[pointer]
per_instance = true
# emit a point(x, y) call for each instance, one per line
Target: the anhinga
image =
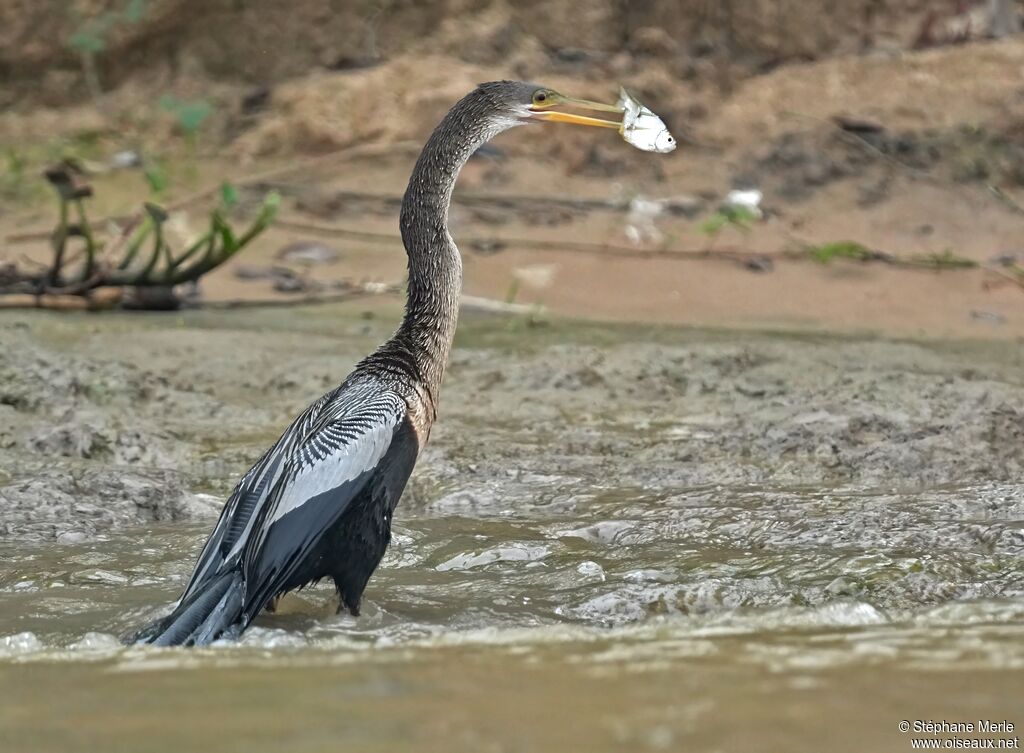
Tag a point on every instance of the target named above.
point(319, 503)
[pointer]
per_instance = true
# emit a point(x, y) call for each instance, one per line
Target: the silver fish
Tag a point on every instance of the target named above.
point(642, 128)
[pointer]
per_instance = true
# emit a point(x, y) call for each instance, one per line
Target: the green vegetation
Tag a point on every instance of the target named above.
point(155, 173)
point(534, 317)
point(513, 291)
point(947, 259)
point(90, 39)
point(189, 116)
point(228, 195)
point(13, 185)
point(161, 266)
point(21, 165)
point(138, 254)
point(828, 252)
point(738, 218)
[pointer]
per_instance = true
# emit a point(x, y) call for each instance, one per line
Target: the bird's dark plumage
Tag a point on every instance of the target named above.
point(319, 503)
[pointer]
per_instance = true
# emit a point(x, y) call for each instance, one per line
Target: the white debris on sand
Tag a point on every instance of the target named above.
point(640, 227)
point(747, 198)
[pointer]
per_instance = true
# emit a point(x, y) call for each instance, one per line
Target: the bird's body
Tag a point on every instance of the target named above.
point(320, 502)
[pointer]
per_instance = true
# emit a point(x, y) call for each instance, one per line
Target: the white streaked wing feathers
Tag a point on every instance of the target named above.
point(335, 455)
point(349, 438)
point(275, 462)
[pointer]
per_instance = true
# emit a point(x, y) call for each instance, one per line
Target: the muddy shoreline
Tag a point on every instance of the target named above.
point(114, 421)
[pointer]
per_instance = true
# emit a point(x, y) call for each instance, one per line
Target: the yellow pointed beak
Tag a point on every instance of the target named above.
point(547, 112)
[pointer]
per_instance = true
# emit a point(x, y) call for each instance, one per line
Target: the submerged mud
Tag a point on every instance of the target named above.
point(678, 540)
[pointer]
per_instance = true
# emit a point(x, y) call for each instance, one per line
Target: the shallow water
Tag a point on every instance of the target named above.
point(562, 576)
point(726, 618)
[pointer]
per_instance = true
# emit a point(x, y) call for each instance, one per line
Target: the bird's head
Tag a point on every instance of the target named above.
point(517, 103)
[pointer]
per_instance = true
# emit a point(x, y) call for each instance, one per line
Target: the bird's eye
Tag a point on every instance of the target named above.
point(540, 97)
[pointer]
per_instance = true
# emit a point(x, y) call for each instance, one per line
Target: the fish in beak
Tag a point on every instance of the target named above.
point(638, 125)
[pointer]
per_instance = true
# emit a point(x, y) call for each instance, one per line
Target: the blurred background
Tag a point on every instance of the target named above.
point(883, 141)
point(732, 439)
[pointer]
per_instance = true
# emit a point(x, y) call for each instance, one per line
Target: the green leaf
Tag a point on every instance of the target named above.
point(156, 177)
point(193, 114)
point(228, 240)
point(87, 41)
point(134, 11)
point(228, 195)
point(190, 115)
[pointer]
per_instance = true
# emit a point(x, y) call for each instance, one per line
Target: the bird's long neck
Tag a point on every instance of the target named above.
point(435, 267)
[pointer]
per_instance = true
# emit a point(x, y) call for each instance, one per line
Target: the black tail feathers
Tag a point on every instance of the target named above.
point(203, 618)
